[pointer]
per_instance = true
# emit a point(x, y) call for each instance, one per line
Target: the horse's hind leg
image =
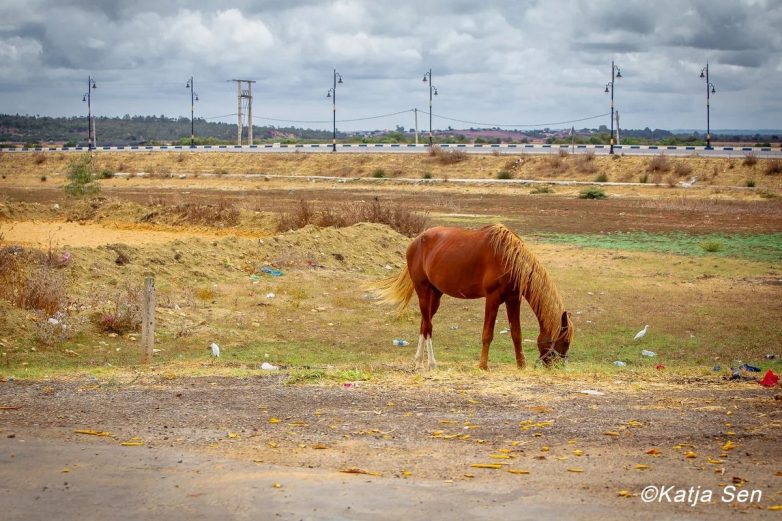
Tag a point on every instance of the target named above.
point(428, 302)
point(513, 307)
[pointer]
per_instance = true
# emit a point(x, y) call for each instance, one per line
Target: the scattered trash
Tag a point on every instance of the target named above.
point(270, 295)
point(619, 363)
point(215, 349)
point(454, 328)
point(771, 356)
point(648, 353)
point(55, 207)
point(769, 379)
point(641, 333)
point(592, 392)
point(271, 271)
point(736, 373)
point(399, 342)
point(255, 278)
point(53, 321)
point(504, 331)
point(659, 367)
point(266, 366)
point(717, 368)
point(65, 258)
point(750, 368)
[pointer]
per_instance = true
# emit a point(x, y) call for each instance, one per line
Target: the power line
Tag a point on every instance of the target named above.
point(338, 121)
point(520, 125)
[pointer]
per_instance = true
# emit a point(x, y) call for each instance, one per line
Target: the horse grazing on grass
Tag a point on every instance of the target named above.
point(492, 263)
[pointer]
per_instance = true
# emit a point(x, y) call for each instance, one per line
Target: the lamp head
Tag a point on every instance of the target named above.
point(702, 75)
point(618, 73)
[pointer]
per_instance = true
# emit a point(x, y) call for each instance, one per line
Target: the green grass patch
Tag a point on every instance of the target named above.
point(764, 247)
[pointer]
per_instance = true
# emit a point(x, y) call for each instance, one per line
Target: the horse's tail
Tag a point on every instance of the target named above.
point(397, 289)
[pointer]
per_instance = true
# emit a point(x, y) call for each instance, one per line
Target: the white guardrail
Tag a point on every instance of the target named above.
point(511, 148)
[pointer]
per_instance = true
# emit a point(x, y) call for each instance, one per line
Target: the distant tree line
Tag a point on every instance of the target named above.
point(155, 130)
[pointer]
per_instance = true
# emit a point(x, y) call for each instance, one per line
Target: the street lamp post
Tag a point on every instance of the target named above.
point(88, 98)
point(193, 98)
point(709, 86)
point(615, 73)
point(332, 93)
point(432, 91)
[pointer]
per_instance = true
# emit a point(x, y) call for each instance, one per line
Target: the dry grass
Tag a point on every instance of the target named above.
point(399, 218)
point(29, 279)
point(750, 160)
point(555, 164)
point(773, 167)
point(659, 164)
point(447, 156)
point(682, 169)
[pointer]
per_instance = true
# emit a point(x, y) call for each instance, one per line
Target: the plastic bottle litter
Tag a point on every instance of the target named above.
point(266, 366)
point(399, 342)
point(215, 349)
point(270, 295)
point(592, 392)
point(619, 363)
point(271, 271)
point(648, 353)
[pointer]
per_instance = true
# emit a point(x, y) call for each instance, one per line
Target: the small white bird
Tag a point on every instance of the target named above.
point(641, 333)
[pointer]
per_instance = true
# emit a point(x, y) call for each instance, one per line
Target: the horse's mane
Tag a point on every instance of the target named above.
point(535, 284)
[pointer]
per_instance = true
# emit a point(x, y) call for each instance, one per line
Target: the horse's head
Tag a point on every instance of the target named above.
point(557, 348)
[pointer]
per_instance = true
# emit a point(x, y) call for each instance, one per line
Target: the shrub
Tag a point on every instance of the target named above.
point(585, 163)
point(671, 180)
point(504, 174)
point(601, 178)
point(206, 294)
point(682, 169)
point(774, 166)
point(542, 189)
point(39, 158)
point(106, 174)
point(556, 164)
point(378, 173)
point(750, 160)
point(659, 163)
point(711, 246)
point(29, 281)
point(224, 213)
point(81, 177)
point(643, 178)
point(44, 178)
point(592, 193)
point(750, 183)
point(427, 175)
point(447, 156)
point(399, 218)
point(125, 316)
point(563, 153)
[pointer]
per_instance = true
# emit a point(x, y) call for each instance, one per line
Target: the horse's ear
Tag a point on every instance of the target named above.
point(565, 318)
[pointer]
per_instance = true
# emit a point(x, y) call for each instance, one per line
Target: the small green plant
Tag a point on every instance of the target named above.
point(81, 177)
point(601, 178)
point(711, 246)
point(106, 174)
point(378, 173)
point(643, 178)
point(592, 193)
point(427, 175)
point(542, 189)
point(504, 174)
point(750, 183)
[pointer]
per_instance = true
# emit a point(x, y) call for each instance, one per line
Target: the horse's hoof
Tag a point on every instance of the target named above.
point(483, 367)
point(522, 365)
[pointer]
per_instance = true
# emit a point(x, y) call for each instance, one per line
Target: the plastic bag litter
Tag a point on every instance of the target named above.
point(266, 366)
point(215, 349)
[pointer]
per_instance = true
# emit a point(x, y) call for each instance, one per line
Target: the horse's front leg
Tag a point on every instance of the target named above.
point(489, 318)
point(513, 307)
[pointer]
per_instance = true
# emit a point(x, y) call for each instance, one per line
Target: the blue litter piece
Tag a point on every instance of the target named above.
point(271, 271)
point(750, 368)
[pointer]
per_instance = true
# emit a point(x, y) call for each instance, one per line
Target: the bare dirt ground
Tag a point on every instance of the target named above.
point(555, 450)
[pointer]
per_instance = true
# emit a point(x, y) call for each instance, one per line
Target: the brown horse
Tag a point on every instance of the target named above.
point(491, 262)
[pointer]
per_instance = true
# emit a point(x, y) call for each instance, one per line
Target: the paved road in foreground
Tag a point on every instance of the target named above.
point(44, 479)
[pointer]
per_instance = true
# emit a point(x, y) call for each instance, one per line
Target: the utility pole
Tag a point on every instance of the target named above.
point(416, 125)
point(193, 98)
point(615, 73)
point(432, 92)
point(244, 97)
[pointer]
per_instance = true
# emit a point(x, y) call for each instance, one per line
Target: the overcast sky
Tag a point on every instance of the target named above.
point(503, 63)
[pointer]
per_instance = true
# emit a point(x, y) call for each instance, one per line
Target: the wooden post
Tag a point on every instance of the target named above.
point(148, 319)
